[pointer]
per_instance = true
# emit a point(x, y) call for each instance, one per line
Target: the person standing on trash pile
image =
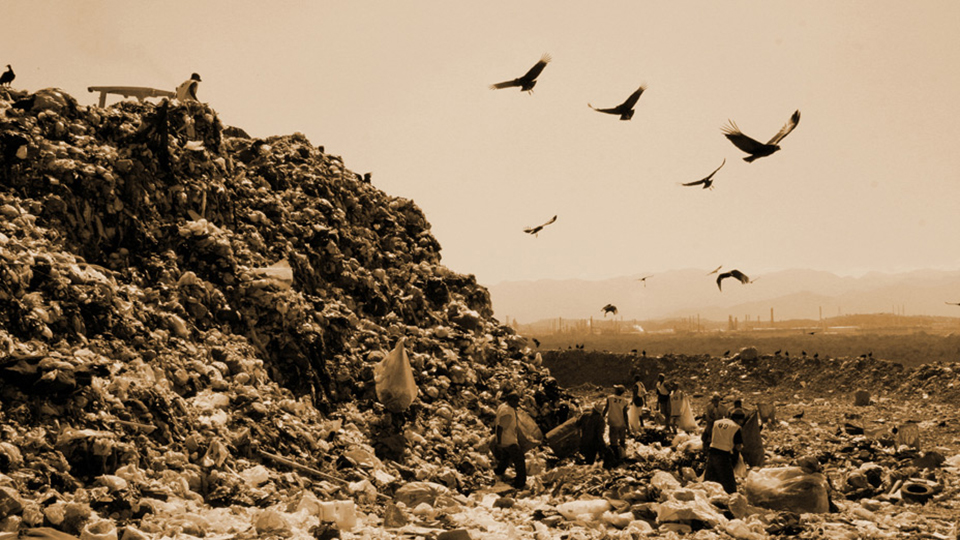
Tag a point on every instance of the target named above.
point(507, 448)
point(676, 406)
point(663, 399)
point(715, 411)
point(638, 400)
point(616, 412)
point(188, 89)
point(591, 433)
point(726, 441)
point(552, 410)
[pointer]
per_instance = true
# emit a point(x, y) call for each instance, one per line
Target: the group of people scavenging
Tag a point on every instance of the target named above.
point(619, 415)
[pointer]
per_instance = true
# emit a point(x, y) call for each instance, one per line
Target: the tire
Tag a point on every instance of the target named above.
point(916, 492)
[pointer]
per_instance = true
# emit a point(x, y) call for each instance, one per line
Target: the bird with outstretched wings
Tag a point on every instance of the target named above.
point(715, 270)
point(625, 109)
point(536, 230)
point(952, 303)
point(736, 274)
point(528, 80)
point(755, 148)
point(644, 279)
point(609, 308)
point(708, 181)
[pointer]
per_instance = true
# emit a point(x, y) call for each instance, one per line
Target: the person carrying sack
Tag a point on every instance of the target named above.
point(507, 449)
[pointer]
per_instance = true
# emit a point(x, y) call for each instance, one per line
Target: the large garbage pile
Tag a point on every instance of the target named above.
point(191, 322)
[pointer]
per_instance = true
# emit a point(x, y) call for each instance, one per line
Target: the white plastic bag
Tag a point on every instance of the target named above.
point(687, 421)
point(396, 388)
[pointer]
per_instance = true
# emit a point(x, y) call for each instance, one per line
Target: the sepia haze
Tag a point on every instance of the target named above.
point(792, 294)
point(868, 181)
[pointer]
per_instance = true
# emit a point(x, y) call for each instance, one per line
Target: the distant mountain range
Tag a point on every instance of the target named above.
point(792, 294)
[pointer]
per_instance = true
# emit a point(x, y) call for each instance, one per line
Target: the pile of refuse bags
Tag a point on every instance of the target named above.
point(208, 335)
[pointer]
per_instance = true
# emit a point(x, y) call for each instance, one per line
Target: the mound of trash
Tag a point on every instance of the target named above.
point(207, 335)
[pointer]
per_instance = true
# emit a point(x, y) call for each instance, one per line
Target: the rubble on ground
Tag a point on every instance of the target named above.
point(190, 324)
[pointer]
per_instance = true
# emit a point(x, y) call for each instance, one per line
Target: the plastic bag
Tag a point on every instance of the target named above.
point(687, 421)
point(396, 388)
point(788, 489)
point(529, 435)
point(740, 469)
point(752, 451)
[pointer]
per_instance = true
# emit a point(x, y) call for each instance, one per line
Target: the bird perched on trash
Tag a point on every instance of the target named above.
point(707, 183)
point(609, 308)
point(536, 230)
point(529, 79)
point(734, 274)
point(799, 415)
point(625, 109)
point(755, 148)
point(776, 352)
point(188, 89)
point(536, 342)
point(7, 77)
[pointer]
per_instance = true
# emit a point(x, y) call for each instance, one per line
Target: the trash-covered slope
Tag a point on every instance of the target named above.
point(174, 300)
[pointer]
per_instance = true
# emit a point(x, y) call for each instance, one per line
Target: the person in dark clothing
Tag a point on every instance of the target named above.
point(725, 446)
point(591, 426)
point(663, 398)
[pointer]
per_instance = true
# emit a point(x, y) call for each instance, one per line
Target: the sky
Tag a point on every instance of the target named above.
point(868, 181)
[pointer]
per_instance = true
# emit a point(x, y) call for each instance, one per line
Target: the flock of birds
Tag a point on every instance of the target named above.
point(752, 147)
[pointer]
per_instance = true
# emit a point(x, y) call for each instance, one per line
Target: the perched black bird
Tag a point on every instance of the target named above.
point(755, 148)
point(536, 342)
point(798, 415)
point(529, 79)
point(609, 308)
point(726, 354)
point(643, 353)
point(816, 356)
point(734, 274)
point(777, 352)
point(538, 228)
point(803, 354)
point(625, 109)
point(707, 183)
point(7, 77)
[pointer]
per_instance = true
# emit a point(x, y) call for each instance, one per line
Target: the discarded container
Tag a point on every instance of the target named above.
point(861, 398)
point(564, 439)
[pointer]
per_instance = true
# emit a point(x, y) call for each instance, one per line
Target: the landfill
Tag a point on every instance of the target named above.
point(197, 335)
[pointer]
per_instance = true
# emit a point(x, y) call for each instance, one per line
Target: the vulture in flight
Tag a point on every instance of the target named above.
point(644, 279)
point(609, 308)
point(734, 274)
point(538, 228)
point(952, 303)
point(7, 77)
point(708, 181)
point(529, 79)
point(625, 109)
point(755, 148)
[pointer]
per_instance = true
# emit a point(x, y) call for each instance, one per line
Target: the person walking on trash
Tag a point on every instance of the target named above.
point(725, 446)
point(676, 406)
point(637, 402)
point(663, 399)
point(188, 89)
point(507, 449)
point(616, 412)
point(715, 411)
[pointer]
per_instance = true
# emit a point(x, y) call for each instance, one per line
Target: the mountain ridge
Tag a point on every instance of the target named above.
point(791, 293)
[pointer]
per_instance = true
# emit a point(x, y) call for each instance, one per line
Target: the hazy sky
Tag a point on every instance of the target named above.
point(870, 180)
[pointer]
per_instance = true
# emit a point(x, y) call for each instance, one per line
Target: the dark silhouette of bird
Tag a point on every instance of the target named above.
point(536, 342)
point(803, 354)
point(535, 230)
point(726, 354)
point(625, 109)
point(777, 352)
point(812, 333)
point(529, 79)
point(952, 303)
point(799, 415)
point(715, 270)
point(643, 353)
point(816, 356)
point(755, 148)
point(708, 181)
point(644, 279)
point(609, 308)
point(786, 353)
point(734, 274)
point(7, 77)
